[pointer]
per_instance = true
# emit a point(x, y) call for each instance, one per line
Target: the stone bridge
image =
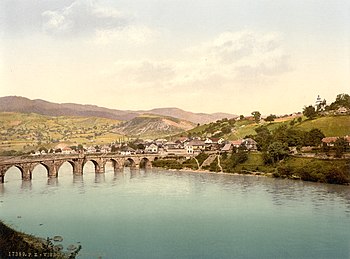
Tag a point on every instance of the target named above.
point(52, 163)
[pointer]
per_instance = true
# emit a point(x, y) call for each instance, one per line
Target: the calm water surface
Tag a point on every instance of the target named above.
point(163, 214)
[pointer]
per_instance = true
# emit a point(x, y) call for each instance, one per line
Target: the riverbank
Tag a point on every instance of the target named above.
point(15, 244)
point(296, 168)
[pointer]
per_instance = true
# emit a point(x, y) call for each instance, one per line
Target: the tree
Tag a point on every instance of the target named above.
point(277, 151)
point(263, 137)
point(43, 149)
point(340, 146)
point(226, 129)
point(257, 116)
point(314, 137)
point(342, 100)
point(114, 149)
point(310, 112)
point(241, 117)
point(270, 118)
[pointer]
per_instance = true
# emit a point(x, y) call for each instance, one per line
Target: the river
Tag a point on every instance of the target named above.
point(157, 213)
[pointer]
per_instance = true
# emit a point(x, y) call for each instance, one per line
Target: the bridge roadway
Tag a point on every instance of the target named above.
point(52, 163)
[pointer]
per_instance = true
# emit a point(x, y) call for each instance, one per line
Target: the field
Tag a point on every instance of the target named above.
point(25, 132)
point(336, 126)
point(331, 126)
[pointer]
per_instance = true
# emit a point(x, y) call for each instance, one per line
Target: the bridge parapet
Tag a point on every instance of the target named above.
point(52, 163)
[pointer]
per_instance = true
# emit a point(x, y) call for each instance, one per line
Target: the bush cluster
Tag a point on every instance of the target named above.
point(316, 171)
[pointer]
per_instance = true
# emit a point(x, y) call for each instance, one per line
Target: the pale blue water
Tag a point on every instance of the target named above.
point(162, 214)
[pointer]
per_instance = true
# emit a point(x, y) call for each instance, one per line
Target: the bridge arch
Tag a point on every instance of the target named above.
point(39, 167)
point(115, 163)
point(145, 163)
point(129, 162)
point(13, 172)
point(64, 166)
point(98, 164)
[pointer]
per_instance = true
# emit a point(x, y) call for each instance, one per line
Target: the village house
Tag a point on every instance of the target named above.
point(67, 150)
point(91, 149)
point(148, 141)
point(250, 144)
point(342, 110)
point(174, 148)
point(152, 149)
point(106, 149)
point(214, 141)
point(237, 143)
point(227, 148)
point(126, 151)
point(161, 141)
point(194, 146)
point(329, 141)
point(181, 140)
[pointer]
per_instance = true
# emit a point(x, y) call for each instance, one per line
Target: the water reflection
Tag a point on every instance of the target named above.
point(154, 208)
point(26, 185)
point(281, 192)
point(100, 178)
point(52, 181)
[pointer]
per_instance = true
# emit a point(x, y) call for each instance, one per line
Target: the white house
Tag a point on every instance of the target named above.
point(250, 144)
point(153, 148)
point(194, 145)
point(91, 149)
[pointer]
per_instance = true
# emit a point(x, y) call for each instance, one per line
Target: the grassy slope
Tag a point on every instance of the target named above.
point(19, 130)
point(336, 126)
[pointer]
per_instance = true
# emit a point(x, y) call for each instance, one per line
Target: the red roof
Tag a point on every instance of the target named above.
point(237, 142)
point(333, 139)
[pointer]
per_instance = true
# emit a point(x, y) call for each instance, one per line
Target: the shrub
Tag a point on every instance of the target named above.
point(167, 163)
point(201, 158)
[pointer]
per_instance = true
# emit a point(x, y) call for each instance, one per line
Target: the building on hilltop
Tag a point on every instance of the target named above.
point(318, 101)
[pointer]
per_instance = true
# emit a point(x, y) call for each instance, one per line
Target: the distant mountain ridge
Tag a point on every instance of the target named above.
point(25, 105)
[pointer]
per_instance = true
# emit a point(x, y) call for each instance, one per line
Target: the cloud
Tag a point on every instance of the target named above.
point(228, 63)
point(244, 57)
point(82, 17)
point(136, 34)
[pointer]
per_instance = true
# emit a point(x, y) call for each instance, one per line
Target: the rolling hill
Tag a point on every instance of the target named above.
point(331, 126)
point(25, 105)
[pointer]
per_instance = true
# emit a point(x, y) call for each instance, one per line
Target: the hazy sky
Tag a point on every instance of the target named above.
point(232, 56)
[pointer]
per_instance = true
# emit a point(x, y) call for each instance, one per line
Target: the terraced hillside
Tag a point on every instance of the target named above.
point(21, 131)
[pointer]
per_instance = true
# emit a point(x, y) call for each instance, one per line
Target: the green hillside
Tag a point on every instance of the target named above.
point(24, 132)
point(336, 126)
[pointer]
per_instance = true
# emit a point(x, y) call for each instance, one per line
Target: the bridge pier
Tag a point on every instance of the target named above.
point(52, 169)
point(99, 169)
point(26, 172)
point(3, 170)
point(78, 166)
